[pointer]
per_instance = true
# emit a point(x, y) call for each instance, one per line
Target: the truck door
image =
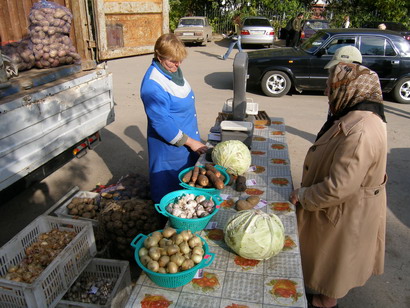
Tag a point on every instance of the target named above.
point(128, 28)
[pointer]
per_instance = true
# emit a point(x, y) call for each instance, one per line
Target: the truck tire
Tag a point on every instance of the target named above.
point(275, 83)
point(401, 92)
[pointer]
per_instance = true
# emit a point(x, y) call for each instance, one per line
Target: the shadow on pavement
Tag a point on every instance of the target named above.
point(220, 80)
point(398, 170)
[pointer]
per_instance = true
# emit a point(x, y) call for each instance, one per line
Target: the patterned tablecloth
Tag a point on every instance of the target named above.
point(232, 281)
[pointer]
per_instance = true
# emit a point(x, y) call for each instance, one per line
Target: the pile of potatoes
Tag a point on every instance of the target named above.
point(49, 29)
point(121, 221)
point(83, 207)
point(169, 252)
point(20, 53)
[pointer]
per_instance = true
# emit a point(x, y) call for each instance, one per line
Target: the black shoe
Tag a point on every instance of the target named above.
point(309, 298)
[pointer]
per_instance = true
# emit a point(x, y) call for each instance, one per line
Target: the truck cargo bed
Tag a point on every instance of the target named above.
point(43, 121)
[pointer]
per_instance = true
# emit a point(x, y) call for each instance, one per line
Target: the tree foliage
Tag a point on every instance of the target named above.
point(359, 11)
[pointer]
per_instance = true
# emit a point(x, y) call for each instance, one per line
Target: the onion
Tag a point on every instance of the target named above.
point(153, 266)
point(196, 258)
point(172, 268)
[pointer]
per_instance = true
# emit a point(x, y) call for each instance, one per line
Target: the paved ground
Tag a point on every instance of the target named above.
point(124, 150)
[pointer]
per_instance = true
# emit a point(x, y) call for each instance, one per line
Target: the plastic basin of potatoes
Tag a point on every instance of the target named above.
point(171, 280)
point(221, 169)
point(193, 224)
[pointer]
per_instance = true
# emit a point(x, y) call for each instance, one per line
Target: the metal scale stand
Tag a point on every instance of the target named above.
point(241, 110)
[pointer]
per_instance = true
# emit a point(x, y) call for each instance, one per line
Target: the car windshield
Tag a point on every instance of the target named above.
point(312, 44)
point(317, 24)
point(191, 22)
point(256, 22)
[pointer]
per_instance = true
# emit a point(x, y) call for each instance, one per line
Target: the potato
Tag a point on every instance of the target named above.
point(242, 205)
point(73, 211)
point(86, 215)
point(240, 184)
point(254, 200)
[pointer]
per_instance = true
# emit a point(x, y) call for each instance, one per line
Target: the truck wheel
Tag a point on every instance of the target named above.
point(275, 83)
point(205, 41)
point(401, 91)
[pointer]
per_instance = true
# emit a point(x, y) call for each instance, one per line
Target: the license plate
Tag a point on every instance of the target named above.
point(187, 33)
point(258, 32)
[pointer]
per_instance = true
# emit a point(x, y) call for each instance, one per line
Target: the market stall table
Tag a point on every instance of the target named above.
point(231, 281)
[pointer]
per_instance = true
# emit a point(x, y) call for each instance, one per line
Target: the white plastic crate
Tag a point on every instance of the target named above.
point(54, 281)
point(62, 211)
point(107, 268)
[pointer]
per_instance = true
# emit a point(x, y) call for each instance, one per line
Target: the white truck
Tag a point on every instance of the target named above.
point(48, 116)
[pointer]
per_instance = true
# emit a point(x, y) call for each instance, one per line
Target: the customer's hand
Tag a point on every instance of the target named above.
point(294, 198)
point(196, 146)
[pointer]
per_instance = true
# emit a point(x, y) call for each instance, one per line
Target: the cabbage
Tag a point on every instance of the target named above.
point(255, 235)
point(233, 155)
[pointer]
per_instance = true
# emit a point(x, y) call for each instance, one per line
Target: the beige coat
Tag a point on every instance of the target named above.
point(342, 222)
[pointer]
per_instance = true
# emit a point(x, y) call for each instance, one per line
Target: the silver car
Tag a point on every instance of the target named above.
point(195, 29)
point(257, 30)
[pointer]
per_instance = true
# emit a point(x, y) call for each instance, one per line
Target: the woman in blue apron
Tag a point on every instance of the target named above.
point(173, 138)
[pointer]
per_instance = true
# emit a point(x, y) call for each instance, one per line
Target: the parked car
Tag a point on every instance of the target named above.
point(195, 29)
point(394, 26)
point(311, 26)
point(257, 30)
point(385, 52)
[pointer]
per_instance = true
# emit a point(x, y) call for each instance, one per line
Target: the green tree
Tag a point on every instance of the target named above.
point(361, 11)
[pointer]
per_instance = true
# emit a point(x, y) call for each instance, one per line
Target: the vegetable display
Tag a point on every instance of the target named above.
point(191, 206)
point(83, 207)
point(204, 177)
point(254, 234)
point(91, 289)
point(171, 252)
point(39, 255)
point(122, 220)
point(233, 155)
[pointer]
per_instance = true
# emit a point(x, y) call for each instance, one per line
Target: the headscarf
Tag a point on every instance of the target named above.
point(352, 87)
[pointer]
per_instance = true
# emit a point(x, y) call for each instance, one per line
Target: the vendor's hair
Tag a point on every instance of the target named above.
point(169, 46)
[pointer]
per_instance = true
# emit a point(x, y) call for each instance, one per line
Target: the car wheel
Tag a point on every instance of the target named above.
point(205, 41)
point(401, 92)
point(275, 83)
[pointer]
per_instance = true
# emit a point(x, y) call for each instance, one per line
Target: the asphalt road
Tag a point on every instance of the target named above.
point(124, 150)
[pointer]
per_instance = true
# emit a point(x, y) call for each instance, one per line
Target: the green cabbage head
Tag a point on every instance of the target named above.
point(255, 235)
point(233, 155)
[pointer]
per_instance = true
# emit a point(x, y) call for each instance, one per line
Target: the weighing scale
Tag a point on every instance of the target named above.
point(239, 123)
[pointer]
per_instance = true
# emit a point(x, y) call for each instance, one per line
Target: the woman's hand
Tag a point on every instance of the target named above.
point(196, 146)
point(294, 198)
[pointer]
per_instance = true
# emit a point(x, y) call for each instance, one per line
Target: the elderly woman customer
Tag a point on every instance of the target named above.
point(341, 204)
point(172, 133)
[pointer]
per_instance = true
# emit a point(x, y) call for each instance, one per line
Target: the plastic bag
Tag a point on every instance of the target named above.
point(49, 26)
point(20, 54)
